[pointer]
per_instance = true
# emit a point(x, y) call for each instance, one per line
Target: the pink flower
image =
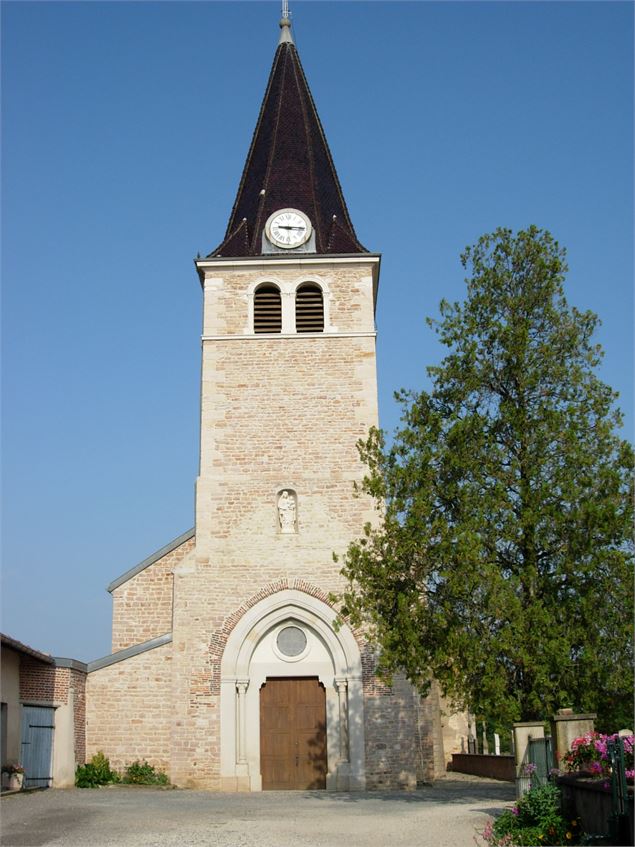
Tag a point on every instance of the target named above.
point(596, 767)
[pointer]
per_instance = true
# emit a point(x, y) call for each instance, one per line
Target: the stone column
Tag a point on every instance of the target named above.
point(241, 721)
point(342, 695)
point(288, 311)
point(565, 726)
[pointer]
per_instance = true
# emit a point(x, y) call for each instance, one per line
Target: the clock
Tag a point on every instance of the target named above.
point(288, 228)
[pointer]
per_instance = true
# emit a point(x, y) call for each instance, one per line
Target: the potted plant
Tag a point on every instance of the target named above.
point(589, 757)
point(14, 776)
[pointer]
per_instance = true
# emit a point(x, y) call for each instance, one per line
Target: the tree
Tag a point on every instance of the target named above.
point(501, 560)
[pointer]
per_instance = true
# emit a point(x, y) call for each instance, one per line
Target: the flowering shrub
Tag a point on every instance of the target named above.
point(590, 753)
point(535, 819)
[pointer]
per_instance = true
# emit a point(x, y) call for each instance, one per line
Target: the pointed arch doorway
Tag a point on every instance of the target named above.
point(291, 691)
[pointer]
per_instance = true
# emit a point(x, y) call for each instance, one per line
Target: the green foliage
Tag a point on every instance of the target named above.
point(535, 819)
point(502, 562)
point(95, 773)
point(141, 773)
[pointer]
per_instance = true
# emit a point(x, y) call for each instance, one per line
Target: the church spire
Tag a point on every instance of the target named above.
point(289, 165)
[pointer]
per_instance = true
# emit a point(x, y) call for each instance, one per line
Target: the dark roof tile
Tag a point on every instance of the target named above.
point(290, 160)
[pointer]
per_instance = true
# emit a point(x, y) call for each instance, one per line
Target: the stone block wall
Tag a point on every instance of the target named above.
point(455, 729)
point(295, 429)
point(142, 606)
point(402, 733)
point(129, 709)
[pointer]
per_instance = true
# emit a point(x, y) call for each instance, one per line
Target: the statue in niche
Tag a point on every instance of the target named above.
point(287, 511)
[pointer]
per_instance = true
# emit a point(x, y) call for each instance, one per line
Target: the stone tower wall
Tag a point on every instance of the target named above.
point(284, 412)
point(277, 413)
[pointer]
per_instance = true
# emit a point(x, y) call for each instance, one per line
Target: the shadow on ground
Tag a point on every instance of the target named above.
point(444, 790)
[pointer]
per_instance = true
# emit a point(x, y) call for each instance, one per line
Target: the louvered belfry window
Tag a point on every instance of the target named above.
point(309, 308)
point(267, 309)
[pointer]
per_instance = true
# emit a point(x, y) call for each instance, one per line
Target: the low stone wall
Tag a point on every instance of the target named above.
point(494, 767)
point(590, 801)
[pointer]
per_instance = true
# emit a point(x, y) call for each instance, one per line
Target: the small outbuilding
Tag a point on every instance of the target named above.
point(43, 711)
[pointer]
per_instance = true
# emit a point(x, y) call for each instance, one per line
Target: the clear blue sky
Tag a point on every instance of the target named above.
point(125, 129)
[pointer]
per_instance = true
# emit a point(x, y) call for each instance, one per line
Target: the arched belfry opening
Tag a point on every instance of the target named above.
point(291, 699)
point(267, 309)
point(309, 308)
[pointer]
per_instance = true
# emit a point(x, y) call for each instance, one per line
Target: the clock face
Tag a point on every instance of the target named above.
point(288, 228)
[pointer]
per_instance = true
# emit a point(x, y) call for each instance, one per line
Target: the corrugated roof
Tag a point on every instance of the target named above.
point(289, 165)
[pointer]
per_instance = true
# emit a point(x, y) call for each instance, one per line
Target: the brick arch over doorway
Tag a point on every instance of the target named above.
point(250, 658)
point(219, 639)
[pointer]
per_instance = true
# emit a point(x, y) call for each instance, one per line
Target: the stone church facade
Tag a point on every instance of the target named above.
point(227, 671)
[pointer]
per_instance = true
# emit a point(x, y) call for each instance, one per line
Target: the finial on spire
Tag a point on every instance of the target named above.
point(285, 24)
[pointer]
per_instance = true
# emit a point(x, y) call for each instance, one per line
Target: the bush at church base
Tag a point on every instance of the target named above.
point(141, 773)
point(95, 773)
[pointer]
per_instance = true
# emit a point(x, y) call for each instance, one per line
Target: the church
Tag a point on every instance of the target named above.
point(227, 671)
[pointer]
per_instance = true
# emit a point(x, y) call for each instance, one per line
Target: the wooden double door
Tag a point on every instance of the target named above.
point(293, 733)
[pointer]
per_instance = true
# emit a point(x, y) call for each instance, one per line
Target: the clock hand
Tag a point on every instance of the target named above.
point(283, 226)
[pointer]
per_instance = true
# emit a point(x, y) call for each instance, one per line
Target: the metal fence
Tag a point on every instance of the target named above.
point(619, 823)
point(540, 754)
point(536, 766)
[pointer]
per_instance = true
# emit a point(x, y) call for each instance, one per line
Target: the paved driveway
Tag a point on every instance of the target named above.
point(447, 814)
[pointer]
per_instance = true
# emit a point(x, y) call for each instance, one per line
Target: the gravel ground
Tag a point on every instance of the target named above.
point(448, 814)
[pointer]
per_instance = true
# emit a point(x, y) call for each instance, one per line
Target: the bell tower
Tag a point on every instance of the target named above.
point(288, 387)
point(227, 670)
point(289, 381)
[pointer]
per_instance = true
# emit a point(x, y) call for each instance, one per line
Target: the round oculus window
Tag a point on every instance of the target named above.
point(291, 641)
